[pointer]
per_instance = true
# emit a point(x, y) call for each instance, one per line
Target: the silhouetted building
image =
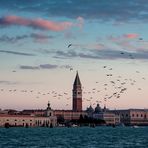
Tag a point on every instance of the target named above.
point(110, 118)
point(90, 111)
point(98, 109)
point(77, 94)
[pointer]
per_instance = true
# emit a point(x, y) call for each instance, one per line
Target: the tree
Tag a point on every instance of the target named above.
point(60, 119)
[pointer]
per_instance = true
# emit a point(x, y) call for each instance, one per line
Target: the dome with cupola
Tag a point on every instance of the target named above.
point(98, 109)
point(90, 109)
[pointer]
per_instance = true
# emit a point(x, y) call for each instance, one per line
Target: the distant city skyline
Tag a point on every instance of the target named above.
point(43, 44)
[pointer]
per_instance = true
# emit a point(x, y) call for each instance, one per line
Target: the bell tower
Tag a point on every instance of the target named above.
point(77, 94)
point(49, 111)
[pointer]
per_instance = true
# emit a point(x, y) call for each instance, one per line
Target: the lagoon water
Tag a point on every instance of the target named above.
point(78, 137)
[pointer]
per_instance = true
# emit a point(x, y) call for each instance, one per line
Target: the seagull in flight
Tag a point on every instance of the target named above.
point(140, 38)
point(71, 69)
point(69, 45)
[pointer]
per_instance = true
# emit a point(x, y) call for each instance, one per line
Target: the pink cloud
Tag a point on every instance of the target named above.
point(123, 37)
point(35, 23)
point(131, 35)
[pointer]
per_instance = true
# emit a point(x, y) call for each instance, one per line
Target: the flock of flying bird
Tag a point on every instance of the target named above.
point(113, 89)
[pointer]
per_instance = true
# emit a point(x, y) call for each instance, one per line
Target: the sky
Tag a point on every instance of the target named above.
point(44, 43)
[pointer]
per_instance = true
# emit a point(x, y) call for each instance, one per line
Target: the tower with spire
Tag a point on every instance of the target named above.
point(49, 111)
point(77, 94)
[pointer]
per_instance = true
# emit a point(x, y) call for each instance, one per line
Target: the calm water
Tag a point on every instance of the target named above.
point(84, 137)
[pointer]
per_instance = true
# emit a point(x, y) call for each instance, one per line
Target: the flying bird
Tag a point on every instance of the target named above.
point(71, 69)
point(140, 38)
point(69, 45)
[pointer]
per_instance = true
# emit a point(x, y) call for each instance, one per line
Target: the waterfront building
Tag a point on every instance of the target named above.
point(48, 119)
point(109, 117)
point(133, 116)
point(69, 114)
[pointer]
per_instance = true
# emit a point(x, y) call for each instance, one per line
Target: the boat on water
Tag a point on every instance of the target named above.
point(135, 126)
point(120, 125)
point(74, 125)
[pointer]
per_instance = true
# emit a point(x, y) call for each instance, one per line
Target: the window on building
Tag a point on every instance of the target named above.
point(126, 115)
point(133, 115)
point(141, 115)
point(137, 115)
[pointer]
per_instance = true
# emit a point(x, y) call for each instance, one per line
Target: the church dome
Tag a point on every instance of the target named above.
point(90, 109)
point(98, 109)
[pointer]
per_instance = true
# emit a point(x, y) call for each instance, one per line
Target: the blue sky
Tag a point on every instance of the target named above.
point(37, 65)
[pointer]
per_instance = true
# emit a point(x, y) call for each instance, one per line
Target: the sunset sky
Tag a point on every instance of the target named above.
point(44, 43)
